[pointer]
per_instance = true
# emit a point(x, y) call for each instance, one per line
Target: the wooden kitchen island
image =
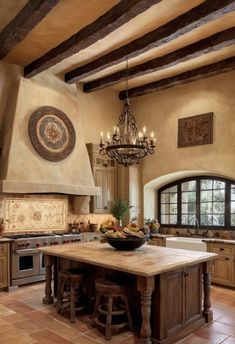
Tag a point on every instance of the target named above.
point(167, 297)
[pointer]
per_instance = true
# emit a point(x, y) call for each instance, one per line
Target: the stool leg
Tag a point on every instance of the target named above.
point(124, 297)
point(60, 297)
point(72, 303)
point(108, 332)
point(97, 301)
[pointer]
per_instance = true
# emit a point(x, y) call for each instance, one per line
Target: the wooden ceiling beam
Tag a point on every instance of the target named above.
point(30, 15)
point(223, 66)
point(209, 10)
point(218, 41)
point(101, 27)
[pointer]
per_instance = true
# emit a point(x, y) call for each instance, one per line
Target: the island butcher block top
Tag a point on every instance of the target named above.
point(144, 261)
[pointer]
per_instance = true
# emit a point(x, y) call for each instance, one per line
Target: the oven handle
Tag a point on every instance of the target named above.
point(27, 251)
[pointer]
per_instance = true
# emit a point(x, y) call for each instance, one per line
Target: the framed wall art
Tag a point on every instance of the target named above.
point(195, 130)
point(51, 133)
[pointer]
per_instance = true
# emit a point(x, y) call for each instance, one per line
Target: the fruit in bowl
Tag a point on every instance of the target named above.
point(127, 238)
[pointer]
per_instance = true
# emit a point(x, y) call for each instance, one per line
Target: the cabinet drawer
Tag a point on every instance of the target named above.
point(3, 249)
point(223, 249)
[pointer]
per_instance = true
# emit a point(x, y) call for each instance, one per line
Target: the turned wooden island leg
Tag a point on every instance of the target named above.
point(207, 312)
point(145, 286)
point(49, 261)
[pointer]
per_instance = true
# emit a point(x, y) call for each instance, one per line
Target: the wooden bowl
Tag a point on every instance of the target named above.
point(126, 244)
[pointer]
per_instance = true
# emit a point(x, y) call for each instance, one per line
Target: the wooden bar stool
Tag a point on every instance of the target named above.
point(111, 310)
point(70, 291)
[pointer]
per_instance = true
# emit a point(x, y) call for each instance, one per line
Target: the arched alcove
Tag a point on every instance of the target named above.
point(150, 188)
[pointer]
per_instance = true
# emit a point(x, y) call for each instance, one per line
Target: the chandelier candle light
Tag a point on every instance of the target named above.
point(127, 145)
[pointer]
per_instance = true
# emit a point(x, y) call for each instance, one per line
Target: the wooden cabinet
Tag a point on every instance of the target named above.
point(224, 267)
point(177, 313)
point(130, 188)
point(105, 176)
point(161, 241)
point(4, 265)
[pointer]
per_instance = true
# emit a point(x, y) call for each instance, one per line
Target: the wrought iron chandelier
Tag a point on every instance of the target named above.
point(128, 145)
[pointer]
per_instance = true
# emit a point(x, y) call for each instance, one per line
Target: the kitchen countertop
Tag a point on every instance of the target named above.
point(219, 241)
point(3, 239)
point(145, 261)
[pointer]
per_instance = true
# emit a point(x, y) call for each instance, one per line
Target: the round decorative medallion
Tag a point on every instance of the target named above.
point(51, 133)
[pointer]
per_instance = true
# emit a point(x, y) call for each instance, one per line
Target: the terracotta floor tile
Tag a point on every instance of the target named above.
point(28, 326)
point(35, 323)
point(213, 336)
point(193, 339)
point(16, 336)
point(83, 339)
point(48, 337)
point(222, 328)
point(17, 306)
point(14, 317)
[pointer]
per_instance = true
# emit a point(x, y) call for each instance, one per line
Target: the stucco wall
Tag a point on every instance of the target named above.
point(23, 163)
point(161, 112)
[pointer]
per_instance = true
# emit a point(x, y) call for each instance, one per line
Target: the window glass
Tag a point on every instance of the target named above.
point(206, 184)
point(206, 196)
point(206, 208)
point(204, 199)
point(218, 184)
point(188, 196)
point(189, 186)
point(219, 195)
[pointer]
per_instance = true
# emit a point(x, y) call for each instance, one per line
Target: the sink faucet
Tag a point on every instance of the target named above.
point(196, 223)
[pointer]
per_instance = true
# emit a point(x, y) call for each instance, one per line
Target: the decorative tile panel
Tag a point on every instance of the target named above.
point(35, 214)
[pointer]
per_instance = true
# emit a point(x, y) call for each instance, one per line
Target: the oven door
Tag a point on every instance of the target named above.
point(25, 263)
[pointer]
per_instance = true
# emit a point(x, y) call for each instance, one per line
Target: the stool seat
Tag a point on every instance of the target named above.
point(70, 291)
point(111, 310)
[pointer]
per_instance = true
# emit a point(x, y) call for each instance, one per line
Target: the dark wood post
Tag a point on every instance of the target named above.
point(207, 312)
point(49, 261)
point(145, 286)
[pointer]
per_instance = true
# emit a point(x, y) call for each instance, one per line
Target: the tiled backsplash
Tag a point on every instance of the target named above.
point(44, 212)
point(211, 233)
point(35, 214)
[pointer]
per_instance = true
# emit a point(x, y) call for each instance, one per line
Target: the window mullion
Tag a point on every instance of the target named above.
point(227, 204)
point(198, 201)
point(179, 204)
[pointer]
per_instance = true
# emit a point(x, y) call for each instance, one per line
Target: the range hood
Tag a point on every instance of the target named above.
point(23, 169)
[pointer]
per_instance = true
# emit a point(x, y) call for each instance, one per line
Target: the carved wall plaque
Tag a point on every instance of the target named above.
point(51, 133)
point(195, 130)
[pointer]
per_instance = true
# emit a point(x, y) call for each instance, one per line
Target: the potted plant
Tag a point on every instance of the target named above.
point(119, 209)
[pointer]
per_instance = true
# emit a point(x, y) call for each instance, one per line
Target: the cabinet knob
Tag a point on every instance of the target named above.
point(221, 249)
point(226, 258)
point(185, 274)
point(105, 207)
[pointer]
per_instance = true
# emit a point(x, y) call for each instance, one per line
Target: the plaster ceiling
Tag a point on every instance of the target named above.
point(68, 17)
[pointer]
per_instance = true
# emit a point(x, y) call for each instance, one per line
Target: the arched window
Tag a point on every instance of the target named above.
point(205, 202)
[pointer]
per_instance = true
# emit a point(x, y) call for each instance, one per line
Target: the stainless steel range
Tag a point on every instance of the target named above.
point(27, 263)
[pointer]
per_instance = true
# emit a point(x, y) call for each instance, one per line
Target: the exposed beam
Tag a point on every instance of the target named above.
point(209, 10)
point(104, 25)
point(183, 78)
point(218, 41)
point(30, 15)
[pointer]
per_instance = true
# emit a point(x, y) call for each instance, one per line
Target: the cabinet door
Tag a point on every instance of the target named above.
point(100, 178)
point(193, 296)
point(172, 284)
point(3, 272)
point(111, 192)
point(224, 269)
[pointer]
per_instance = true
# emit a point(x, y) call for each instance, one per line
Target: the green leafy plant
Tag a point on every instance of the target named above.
point(119, 208)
